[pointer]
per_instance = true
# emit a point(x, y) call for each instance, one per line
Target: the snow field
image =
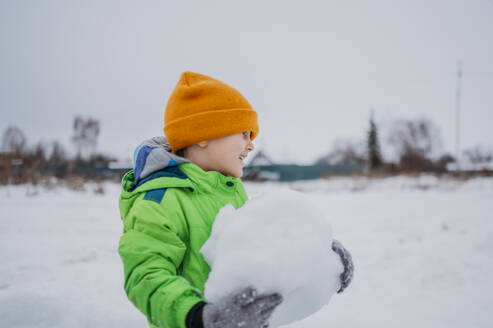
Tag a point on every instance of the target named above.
point(422, 253)
point(62, 267)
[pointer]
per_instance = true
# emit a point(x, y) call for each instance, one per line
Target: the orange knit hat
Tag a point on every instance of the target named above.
point(202, 108)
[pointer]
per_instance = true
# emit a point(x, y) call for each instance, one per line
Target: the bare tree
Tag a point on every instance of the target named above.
point(416, 143)
point(85, 136)
point(344, 151)
point(479, 154)
point(13, 141)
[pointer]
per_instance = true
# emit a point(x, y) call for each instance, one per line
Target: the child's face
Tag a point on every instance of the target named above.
point(226, 154)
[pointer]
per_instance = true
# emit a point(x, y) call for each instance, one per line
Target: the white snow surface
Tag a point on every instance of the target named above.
point(422, 249)
point(279, 241)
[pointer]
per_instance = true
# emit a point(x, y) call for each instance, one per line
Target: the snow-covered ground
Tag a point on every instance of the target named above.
point(422, 249)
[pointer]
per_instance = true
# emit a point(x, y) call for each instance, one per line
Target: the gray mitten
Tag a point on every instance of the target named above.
point(347, 276)
point(243, 308)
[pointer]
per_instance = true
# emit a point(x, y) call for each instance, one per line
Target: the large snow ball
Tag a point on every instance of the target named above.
point(279, 241)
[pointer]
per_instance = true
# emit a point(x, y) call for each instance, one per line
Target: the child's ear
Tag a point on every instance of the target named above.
point(203, 144)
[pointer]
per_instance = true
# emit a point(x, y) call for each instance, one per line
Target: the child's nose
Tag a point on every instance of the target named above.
point(250, 146)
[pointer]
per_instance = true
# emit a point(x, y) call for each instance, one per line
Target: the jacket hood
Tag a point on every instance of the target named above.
point(152, 159)
point(154, 155)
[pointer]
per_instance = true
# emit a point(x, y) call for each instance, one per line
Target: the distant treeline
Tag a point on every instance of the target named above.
point(22, 163)
point(416, 144)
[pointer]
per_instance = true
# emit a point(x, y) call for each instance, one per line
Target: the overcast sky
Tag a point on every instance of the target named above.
point(311, 69)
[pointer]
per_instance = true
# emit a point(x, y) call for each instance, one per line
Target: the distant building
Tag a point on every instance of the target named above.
point(262, 168)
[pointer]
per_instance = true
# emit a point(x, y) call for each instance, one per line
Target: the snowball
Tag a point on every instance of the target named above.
point(279, 241)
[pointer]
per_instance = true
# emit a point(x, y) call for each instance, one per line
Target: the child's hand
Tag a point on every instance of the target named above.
point(347, 276)
point(243, 308)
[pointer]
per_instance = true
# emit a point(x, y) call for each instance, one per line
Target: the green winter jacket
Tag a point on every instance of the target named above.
point(168, 206)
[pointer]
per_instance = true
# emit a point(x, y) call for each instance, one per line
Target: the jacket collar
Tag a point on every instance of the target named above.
point(210, 181)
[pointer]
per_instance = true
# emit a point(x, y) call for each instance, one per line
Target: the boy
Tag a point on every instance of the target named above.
point(169, 202)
